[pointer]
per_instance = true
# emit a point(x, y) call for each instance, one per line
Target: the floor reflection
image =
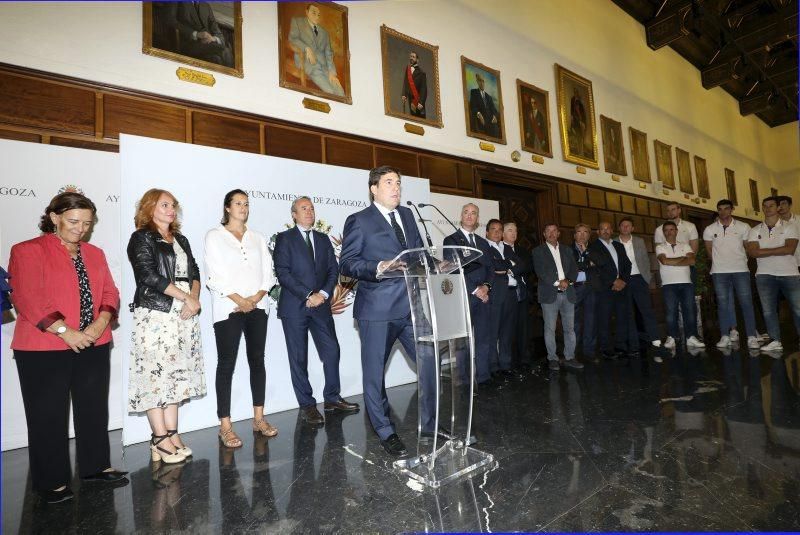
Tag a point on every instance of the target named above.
point(707, 440)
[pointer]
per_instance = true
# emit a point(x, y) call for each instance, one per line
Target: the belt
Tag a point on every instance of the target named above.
point(182, 279)
point(578, 284)
point(512, 287)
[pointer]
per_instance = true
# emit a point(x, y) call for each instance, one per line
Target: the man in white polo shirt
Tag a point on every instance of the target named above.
point(785, 211)
point(773, 243)
point(687, 231)
point(674, 259)
point(724, 240)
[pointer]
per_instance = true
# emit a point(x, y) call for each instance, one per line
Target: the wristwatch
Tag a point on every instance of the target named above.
point(61, 330)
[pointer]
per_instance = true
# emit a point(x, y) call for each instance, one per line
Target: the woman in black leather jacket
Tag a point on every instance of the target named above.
point(166, 365)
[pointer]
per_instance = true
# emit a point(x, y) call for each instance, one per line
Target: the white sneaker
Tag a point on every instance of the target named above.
point(725, 341)
point(692, 341)
point(734, 335)
point(656, 343)
point(775, 345)
point(753, 343)
point(669, 343)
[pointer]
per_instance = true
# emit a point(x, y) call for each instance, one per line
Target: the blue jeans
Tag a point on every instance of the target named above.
point(725, 284)
point(682, 294)
point(768, 288)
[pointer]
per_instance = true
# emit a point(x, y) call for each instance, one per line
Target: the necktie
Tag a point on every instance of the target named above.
point(316, 32)
point(471, 240)
point(308, 244)
point(398, 231)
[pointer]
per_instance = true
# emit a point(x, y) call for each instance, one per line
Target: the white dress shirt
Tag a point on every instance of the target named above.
point(385, 213)
point(310, 231)
point(235, 267)
point(512, 280)
point(631, 255)
point(557, 257)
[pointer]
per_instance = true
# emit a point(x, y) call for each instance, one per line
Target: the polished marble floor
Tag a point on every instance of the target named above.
point(707, 440)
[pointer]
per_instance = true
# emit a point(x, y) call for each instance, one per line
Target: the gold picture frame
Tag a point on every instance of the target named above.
point(578, 131)
point(701, 172)
point(534, 119)
point(640, 157)
point(754, 200)
point(613, 148)
point(664, 171)
point(485, 119)
point(684, 164)
point(730, 185)
point(400, 92)
point(326, 72)
point(167, 32)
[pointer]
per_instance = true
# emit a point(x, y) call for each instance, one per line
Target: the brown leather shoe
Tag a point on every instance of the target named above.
point(341, 405)
point(311, 415)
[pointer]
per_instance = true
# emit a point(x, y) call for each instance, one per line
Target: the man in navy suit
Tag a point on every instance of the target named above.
point(308, 272)
point(479, 277)
point(613, 271)
point(499, 361)
point(372, 238)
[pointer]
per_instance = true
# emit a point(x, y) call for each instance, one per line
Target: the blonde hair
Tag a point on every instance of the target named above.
point(147, 206)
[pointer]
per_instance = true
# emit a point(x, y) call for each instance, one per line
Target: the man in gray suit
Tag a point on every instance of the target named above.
point(638, 287)
point(556, 270)
point(312, 51)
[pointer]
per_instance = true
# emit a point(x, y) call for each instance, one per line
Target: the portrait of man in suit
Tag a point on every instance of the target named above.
point(205, 34)
point(534, 119)
point(483, 101)
point(307, 272)
point(410, 78)
point(313, 49)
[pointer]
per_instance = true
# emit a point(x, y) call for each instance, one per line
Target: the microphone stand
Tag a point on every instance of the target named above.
point(423, 205)
point(427, 234)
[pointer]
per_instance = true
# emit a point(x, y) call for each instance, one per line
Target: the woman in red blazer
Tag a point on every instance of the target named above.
point(65, 300)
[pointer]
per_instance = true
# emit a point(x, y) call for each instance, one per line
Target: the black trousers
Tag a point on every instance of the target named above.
point(228, 333)
point(47, 380)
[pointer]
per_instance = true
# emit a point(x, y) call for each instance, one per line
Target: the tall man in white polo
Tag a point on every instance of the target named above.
point(773, 243)
point(725, 244)
point(687, 231)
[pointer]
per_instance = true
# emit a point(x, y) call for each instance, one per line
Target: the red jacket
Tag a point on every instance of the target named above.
point(45, 290)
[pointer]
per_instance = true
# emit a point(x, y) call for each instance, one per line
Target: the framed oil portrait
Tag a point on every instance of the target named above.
point(640, 159)
point(410, 78)
point(754, 200)
point(664, 164)
point(202, 34)
point(483, 101)
point(730, 184)
point(613, 149)
point(701, 172)
point(576, 118)
point(684, 171)
point(534, 120)
point(314, 49)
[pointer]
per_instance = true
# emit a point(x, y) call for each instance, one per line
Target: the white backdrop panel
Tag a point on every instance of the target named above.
point(199, 177)
point(31, 175)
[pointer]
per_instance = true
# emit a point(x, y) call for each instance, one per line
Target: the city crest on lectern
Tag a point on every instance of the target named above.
point(447, 287)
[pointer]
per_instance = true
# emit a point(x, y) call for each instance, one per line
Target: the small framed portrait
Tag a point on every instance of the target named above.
point(664, 164)
point(754, 200)
point(576, 118)
point(314, 49)
point(730, 184)
point(684, 171)
point(483, 101)
point(203, 34)
point(640, 159)
point(534, 120)
point(701, 172)
point(410, 78)
point(613, 149)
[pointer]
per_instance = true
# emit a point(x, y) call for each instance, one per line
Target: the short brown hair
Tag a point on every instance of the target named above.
point(64, 202)
point(147, 205)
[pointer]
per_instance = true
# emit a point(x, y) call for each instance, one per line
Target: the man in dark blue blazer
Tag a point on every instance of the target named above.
point(613, 272)
point(372, 238)
point(307, 271)
point(479, 277)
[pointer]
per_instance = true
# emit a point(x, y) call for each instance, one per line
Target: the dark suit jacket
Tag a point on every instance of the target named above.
point(298, 276)
point(521, 268)
point(606, 268)
point(369, 239)
point(421, 83)
point(545, 268)
point(487, 109)
point(479, 271)
point(199, 19)
point(587, 266)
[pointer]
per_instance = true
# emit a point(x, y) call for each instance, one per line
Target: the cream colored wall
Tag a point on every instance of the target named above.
point(657, 92)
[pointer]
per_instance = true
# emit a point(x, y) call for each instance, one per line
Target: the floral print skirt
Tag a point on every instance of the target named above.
point(166, 364)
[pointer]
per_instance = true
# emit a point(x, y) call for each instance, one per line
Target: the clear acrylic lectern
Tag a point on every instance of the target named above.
point(442, 330)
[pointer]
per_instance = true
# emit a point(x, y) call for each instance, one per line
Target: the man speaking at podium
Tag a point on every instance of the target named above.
point(372, 238)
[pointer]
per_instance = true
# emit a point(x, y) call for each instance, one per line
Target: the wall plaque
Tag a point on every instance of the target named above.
point(316, 105)
point(195, 77)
